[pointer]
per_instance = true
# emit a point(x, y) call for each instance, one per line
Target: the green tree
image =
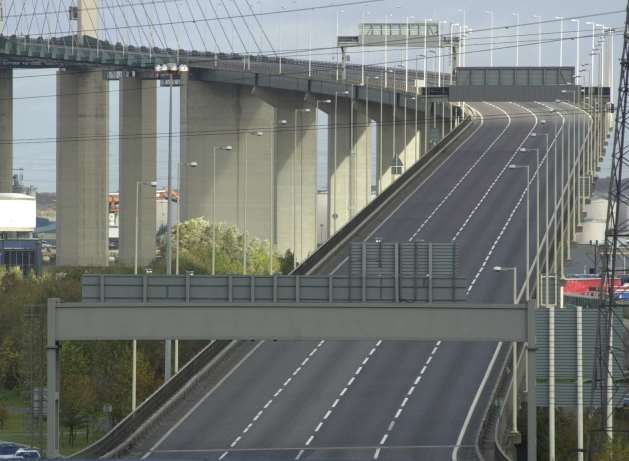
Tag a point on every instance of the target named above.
point(78, 390)
point(196, 238)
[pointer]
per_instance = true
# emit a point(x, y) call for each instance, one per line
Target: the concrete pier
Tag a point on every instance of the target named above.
point(209, 120)
point(349, 154)
point(214, 116)
point(6, 130)
point(295, 173)
point(137, 166)
point(82, 116)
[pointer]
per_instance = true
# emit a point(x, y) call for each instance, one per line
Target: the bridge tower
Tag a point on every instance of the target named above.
point(82, 164)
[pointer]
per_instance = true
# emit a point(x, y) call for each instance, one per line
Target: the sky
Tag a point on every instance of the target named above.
point(34, 91)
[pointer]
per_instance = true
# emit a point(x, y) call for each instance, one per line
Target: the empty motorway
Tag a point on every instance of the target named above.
point(386, 400)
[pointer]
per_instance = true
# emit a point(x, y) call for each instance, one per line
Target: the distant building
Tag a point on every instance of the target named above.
point(161, 216)
point(18, 248)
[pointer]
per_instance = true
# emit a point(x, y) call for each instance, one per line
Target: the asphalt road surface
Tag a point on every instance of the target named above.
point(389, 400)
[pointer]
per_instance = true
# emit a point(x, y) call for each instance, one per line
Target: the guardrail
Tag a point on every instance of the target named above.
point(128, 429)
point(375, 205)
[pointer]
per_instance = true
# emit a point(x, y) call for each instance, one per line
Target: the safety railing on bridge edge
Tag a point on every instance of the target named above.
point(115, 54)
point(145, 414)
point(361, 217)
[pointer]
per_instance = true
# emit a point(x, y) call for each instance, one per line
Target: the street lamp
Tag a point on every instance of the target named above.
point(294, 207)
point(560, 18)
point(171, 70)
point(491, 43)
point(539, 39)
point(244, 233)
point(214, 149)
point(536, 150)
point(578, 23)
point(189, 165)
point(528, 224)
point(514, 357)
point(517, 38)
point(134, 354)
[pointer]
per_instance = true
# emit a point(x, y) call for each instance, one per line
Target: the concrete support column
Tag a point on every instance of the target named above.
point(6, 130)
point(256, 172)
point(137, 156)
point(214, 116)
point(397, 143)
point(295, 174)
point(361, 166)
point(349, 152)
point(82, 164)
point(209, 119)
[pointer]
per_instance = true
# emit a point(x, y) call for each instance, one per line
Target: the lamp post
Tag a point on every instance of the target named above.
point(491, 43)
point(528, 224)
point(294, 209)
point(244, 233)
point(578, 23)
point(171, 70)
point(134, 353)
point(536, 150)
point(539, 39)
point(560, 18)
point(517, 38)
point(189, 165)
point(514, 356)
point(214, 149)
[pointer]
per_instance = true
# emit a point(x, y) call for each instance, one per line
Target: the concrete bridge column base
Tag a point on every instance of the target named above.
point(6, 130)
point(137, 160)
point(82, 215)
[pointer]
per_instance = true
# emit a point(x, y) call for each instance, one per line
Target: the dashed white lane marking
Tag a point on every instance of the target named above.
point(497, 178)
point(511, 215)
point(405, 400)
point(465, 175)
point(334, 404)
point(269, 402)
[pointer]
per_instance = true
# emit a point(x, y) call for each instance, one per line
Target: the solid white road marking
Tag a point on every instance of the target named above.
point(201, 400)
point(459, 440)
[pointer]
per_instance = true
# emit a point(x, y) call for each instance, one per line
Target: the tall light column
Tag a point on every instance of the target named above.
point(517, 38)
point(560, 39)
point(134, 345)
point(214, 149)
point(539, 39)
point(491, 43)
point(578, 39)
point(244, 230)
point(171, 70)
point(528, 225)
point(537, 212)
point(514, 355)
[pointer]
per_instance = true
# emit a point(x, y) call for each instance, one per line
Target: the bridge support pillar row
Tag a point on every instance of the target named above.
point(82, 215)
point(295, 174)
point(6, 130)
point(137, 157)
point(349, 159)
